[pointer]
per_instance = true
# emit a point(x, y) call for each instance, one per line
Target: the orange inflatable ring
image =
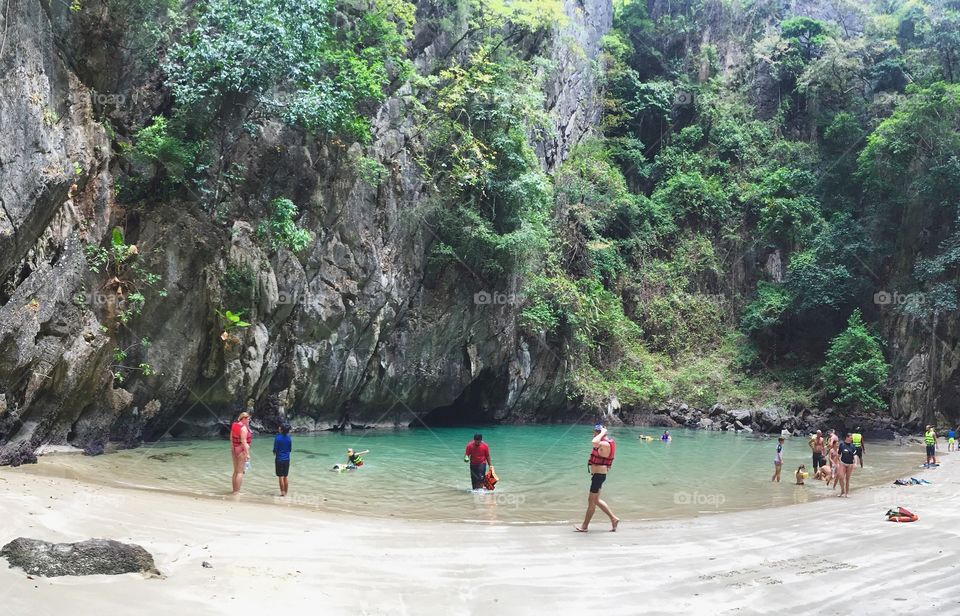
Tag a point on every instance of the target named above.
point(903, 518)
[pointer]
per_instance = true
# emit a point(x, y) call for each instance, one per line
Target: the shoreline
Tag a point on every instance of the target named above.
point(314, 498)
point(833, 555)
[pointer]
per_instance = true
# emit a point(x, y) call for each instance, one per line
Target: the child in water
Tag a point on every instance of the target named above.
point(824, 473)
point(778, 461)
point(801, 473)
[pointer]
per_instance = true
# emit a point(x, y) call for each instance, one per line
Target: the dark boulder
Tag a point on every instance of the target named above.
point(90, 557)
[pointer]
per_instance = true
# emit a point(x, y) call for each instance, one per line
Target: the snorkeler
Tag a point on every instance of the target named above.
point(354, 459)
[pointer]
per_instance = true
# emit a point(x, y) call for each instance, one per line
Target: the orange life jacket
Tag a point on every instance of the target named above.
point(490, 480)
point(598, 460)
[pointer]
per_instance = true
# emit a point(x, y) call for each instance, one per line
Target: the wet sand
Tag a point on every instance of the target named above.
point(829, 556)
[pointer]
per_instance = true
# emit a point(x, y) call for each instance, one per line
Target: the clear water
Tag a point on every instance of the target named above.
point(420, 473)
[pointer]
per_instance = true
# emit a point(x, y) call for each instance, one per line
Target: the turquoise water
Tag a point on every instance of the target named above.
point(420, 473)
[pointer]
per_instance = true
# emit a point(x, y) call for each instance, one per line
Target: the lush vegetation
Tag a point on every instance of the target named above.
point(855, 371)
point(724, 234)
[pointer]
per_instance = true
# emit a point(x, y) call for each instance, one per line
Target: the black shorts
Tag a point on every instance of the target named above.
point(858, 452)
point(931, 451)
point(283, 468)
point(597, 482)
point(818, 461)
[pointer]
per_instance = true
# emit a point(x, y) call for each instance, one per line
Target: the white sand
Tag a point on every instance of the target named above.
point(831, 556)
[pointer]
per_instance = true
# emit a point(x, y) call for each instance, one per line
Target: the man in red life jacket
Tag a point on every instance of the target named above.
point(601, 459)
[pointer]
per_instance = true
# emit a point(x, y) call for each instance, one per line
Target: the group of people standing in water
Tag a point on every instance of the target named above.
point(833, 459)
point(241, 437)
point(476, 453)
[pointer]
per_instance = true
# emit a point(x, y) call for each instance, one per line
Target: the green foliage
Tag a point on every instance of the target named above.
point(232, 320)
point(601, 341)
point(767, 309)
point(804, 34)
point(915, 153)
point(281, 230)
point(677, 311)
point(695, 198)
point(238, 282)
point(295, 60)
point(726, 374)
point(855, 371)
point(370, 170)
point(121, 370)
point(126, 277)
point(172, 160)
point(789, 215)
point(493, 196)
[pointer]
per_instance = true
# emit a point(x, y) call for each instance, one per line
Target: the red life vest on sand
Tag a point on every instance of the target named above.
point(598, 460)
point(235, 434)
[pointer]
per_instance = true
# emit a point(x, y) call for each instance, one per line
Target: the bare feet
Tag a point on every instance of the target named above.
point(579, 530)
point(615, 522)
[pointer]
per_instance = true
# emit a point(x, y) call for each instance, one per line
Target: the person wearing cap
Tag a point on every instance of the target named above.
point(282, 446)
point(599, 463)
point(477, 454)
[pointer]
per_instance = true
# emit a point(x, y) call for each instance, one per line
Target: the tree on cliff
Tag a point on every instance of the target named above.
point(855, 371)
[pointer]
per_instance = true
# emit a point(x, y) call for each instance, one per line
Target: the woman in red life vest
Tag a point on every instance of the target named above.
point(240, 437)
point(599, 463)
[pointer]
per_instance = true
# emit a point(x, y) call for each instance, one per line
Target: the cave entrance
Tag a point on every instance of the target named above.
point(476, 405)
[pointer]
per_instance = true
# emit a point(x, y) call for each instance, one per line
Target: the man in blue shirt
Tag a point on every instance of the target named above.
point(282, 445)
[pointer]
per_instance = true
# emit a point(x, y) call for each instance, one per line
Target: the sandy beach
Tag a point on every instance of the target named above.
point(830, 556)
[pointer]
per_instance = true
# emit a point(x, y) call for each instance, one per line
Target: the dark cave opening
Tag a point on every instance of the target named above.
point(476, 404)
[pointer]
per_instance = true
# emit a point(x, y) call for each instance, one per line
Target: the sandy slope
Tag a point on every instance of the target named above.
point(831, 556)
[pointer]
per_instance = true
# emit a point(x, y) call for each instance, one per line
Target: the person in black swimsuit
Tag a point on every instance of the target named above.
point(848, 452)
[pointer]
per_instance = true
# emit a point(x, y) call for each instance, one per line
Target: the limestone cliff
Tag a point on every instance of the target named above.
point(351, 331)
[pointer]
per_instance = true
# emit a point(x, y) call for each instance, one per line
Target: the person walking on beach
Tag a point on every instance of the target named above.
point(778, 461)
point(951, 439)
point(240, 438)
point(930, 439)
point(816, 446)
point(282, 446)
point(477, 454)
point(847, 451)
point(857, 440)
point(599, 463)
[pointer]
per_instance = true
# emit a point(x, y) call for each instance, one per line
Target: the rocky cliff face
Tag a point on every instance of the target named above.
point(352, 331)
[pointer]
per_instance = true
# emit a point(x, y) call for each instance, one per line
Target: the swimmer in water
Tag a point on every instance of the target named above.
point(801, 474)
point(354, 459)
point(666, 436)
